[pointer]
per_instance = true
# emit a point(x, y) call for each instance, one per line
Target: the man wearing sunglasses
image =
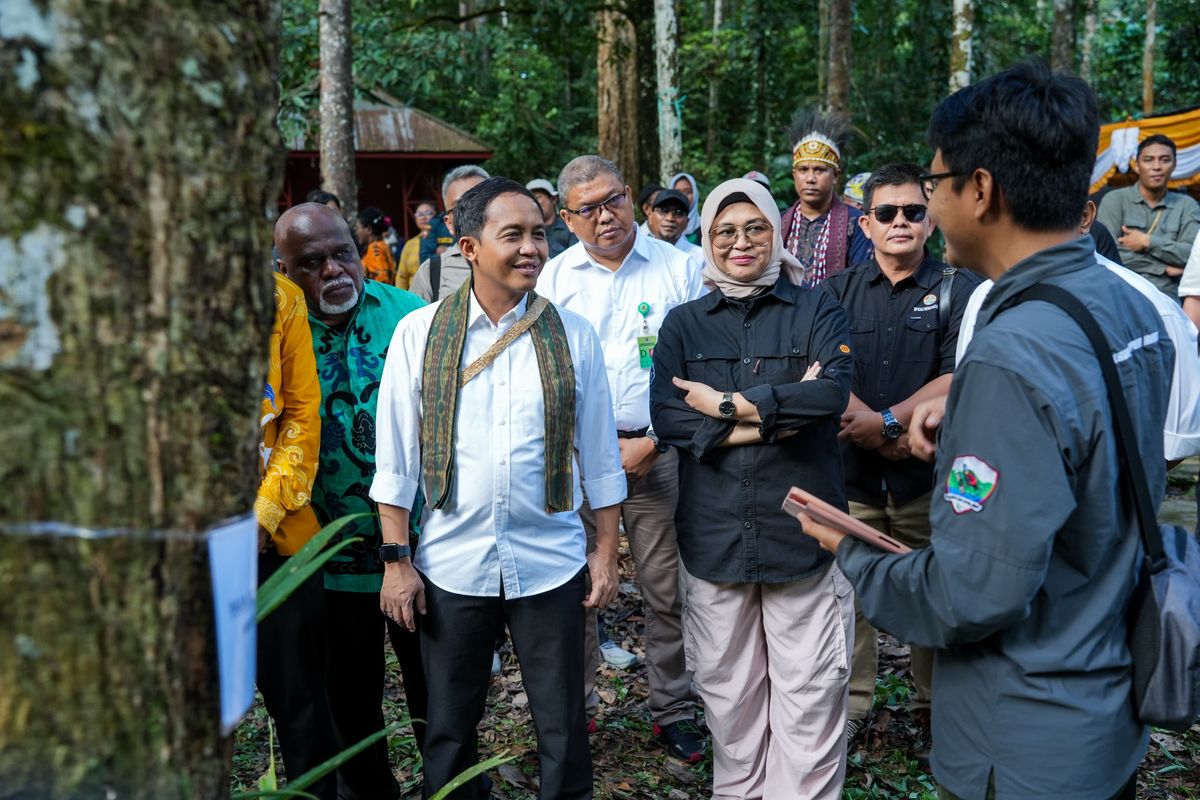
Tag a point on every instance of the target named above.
point(667, 219)
point(624, 283)
point(904, 334)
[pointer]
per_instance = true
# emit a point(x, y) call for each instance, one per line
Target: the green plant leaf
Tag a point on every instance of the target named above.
point(308, 552)
point(467, 774)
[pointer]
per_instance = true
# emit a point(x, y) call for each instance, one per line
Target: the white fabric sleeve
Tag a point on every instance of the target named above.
point(398, 416)
point(970, 315)
point(1189, 284)
point(595, 427)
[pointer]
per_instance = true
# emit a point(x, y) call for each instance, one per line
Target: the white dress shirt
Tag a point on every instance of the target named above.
point(1181, 432)
point(494, 530)
point(1189, 284)
point(655, 273)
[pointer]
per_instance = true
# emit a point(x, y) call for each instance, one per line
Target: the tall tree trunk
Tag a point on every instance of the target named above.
point(962, 39)
point(337, 105)
point(134, 317)
point(823, 53)
point(1062, 43)
point(670, 134)
point(714, 94)
point(761, 109)
point(616, 91)
point(841, 18)
point(1148, 58)
point(1089, 38)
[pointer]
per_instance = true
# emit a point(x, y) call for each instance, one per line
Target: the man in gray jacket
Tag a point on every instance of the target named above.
point(442, 274)
point(1035, 550)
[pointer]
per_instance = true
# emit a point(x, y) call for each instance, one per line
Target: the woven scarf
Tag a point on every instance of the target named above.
point(832, 245)
point(442, 379)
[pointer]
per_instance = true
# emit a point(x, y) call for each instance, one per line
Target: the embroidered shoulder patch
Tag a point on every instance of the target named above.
point(844, 348)
point(970, 483)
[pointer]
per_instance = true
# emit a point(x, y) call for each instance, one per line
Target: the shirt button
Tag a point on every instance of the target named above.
point(891, 329)
point(885, 363)
point(502, 422)
point(745, 361)
point(699, 355)
point(501, 383)
point(746, 482)
point(745, 324)
point(795, 350)
point(747, 525)
point(881, 395)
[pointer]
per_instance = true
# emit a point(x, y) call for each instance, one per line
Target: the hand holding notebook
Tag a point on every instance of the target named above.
point(801, 504)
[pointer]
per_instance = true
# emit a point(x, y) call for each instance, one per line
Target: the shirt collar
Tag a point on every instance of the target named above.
point(1077, 254)
point(476, 313)
point(1169, 199)
point(782, 290)
point(581, 258)
point(927, 274)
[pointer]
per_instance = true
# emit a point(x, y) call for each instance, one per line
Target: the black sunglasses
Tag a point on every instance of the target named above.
point(885, 213)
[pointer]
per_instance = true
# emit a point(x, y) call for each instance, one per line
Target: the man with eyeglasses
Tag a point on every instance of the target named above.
point(667, 219)
point(441, 274)
point(905, 308)
point(624, 283)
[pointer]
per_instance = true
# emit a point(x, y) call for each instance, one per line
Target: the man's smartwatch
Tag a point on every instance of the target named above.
point(391, 553)
point(892, 429)
point(727, 409)
point(661, 447)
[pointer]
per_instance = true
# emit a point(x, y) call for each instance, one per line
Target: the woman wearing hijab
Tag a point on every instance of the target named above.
point(749, 381)
point(683, 182)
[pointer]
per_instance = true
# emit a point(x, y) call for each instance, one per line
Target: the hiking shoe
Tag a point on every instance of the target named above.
point(616, 656)
point(855, 730)
point(683, 740)
point(495, 662)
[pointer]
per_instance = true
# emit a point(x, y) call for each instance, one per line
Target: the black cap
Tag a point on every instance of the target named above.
point(647, 192)
point(667, 196)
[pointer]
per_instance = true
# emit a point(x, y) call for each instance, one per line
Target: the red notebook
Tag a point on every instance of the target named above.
point(798, 501)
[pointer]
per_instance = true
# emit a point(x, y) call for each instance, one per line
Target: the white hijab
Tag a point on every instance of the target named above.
point(781, 260)
point(693, 220)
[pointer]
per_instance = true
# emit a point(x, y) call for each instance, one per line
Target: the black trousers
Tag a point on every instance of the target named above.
point(292, 677)
point(357, 665)
point(457, 637)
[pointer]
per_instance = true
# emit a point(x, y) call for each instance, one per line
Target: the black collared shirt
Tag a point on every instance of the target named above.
point(899, 346)
point(729, 521)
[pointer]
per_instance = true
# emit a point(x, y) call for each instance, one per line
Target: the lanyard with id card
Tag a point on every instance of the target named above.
point(646, 341)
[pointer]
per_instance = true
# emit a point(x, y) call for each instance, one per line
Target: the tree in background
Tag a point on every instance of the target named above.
point(617, 90)
point(139, 159)
point(670, 144)
point(337, 105)
point(962, 37)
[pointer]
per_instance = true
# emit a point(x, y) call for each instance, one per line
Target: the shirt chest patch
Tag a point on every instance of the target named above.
point(971, 482)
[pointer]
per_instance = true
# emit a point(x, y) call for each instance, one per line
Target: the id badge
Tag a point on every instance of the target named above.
point(646, 350)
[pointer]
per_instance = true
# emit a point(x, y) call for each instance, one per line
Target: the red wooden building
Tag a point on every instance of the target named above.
point(401, 155)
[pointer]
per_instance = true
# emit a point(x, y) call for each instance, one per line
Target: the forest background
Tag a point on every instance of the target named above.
point(528, 76)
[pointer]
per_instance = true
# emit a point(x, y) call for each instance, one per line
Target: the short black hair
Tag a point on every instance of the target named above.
point(1157, 138)
point(470, 212)
point(901, 173)
point(374, 220)
point(321, 196)
point(1034, 130)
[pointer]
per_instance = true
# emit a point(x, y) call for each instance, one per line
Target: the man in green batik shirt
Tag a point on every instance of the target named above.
point(352, 320)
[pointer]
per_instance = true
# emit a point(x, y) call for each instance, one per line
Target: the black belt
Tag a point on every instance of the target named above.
point(640, 433)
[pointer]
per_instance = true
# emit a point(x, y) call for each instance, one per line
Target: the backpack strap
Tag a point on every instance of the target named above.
point(435, 275)
point(944, 301)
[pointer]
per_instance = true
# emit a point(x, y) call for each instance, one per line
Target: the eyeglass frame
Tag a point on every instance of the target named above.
point(597, 207)
point(899, 209)
point(671, 211)
point(739, 233)
point(932, 179)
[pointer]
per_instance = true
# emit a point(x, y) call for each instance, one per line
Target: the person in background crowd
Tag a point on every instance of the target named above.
point(410, 256)
point(686, 185)
point(905, 311)
point(820, 230)
point(641, 279)
point(1154, 227)
point(758, 177)
point(444, 272)
point(558, 235)
point(1034, 554)
point(1189, 288)
point(747, 385)
point(291, 639)
point(352, 320)
point(502, 459)
point(324, 198)
point(377, 259)
point(646, 203)
point(668, 217)
point(852, 195)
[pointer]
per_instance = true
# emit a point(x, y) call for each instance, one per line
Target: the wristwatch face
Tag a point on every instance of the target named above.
point(892, 430)
point(727, 408)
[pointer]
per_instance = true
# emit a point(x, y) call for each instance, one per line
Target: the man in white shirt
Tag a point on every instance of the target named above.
point(1181, 435)
point(496, 406)
point(624, 283)
point(666, 221)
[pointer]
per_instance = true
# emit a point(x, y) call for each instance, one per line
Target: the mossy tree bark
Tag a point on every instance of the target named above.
point(138, 161)
point(617, 91)
point(337, 104)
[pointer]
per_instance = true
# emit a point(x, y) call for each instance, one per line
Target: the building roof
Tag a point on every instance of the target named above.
point(383, 124)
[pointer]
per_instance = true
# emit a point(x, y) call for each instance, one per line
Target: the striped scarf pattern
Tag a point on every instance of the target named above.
point(441, 385)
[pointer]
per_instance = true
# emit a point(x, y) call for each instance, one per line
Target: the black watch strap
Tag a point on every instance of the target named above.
point(389, 553)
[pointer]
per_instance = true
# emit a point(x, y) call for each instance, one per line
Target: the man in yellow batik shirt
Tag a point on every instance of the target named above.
point(291, 640)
